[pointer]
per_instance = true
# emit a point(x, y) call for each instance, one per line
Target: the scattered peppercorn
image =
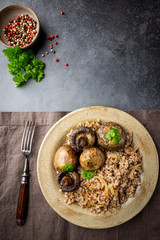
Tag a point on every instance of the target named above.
point(62, 12)
point(51, 46)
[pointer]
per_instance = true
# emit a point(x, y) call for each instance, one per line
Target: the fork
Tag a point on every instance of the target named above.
point(26, 147)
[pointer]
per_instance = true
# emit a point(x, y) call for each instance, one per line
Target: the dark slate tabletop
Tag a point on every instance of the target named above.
point(113, 51)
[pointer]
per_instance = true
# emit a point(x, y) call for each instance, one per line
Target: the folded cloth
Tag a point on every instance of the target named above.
point(43, 223)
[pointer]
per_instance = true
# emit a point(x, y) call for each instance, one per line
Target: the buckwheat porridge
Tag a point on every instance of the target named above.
point(98, 167)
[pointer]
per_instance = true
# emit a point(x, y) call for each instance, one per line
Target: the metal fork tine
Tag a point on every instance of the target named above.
point(29, 135)
point(26, 136)
point(30, 147)
point(22, 143)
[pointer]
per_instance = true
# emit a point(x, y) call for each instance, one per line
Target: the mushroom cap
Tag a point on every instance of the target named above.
point(68, 181)
point(65, 155)
point(104, 142)
point(81, 138)
point(92, 159)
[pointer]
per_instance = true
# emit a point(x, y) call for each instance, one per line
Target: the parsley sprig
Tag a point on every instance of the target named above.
point(24, 65)
point(67, 168)
point(114, 135)
point(88, 174)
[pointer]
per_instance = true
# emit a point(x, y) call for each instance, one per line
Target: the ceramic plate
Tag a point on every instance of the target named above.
point(48, 179)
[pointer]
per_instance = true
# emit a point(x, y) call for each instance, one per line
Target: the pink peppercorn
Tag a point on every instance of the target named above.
point(55, 43)
point(66, 64)
point(52, 36)
point(48, 37)
point(56, 35)
point(56, 60)
point(62, 12)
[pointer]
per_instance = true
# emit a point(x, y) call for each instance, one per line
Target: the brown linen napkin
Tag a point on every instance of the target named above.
point(42, 222)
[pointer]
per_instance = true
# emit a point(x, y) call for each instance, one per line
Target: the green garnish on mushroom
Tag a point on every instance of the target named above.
point(67, 168)
point(88, 174)
point(114, 135)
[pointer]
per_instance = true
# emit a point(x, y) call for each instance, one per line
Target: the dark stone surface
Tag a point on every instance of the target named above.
point(112, 48)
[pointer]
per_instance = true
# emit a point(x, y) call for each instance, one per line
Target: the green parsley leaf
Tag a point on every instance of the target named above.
point(88, 174)
point(34, 73)
point(67, 168)
point(38, 63)
point(19, 79)
point(12, 53)
point(40, 76)
point(27, 76)
point(114, 135)
point(13, 67)
point(117, 139)
point(24, 65)
point(111, 134)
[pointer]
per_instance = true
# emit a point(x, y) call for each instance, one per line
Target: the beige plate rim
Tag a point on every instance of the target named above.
point(75, 214)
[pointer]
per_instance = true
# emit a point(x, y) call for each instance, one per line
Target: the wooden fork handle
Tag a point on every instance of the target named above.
point(22, 206)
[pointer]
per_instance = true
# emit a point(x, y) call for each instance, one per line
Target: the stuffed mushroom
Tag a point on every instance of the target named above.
point(81, 138)
point(111, 136)
point(65, 155)
point(92, 159)
point(68, 181)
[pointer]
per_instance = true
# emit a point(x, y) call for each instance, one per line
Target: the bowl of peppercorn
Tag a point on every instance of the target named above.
point(19, 25)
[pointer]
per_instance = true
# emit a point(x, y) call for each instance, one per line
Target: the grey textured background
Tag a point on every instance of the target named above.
point(113, 51)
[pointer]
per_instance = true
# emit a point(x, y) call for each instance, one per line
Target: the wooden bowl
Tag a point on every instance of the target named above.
point(12, 11)
point(48, 178)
